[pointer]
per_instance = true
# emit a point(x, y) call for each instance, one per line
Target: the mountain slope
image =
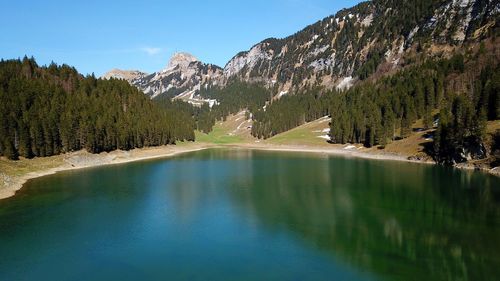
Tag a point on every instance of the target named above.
point(183, 76)
point(357, 42)
point(373, 37)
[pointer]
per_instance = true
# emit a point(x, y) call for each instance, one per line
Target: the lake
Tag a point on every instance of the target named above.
point(231, 214)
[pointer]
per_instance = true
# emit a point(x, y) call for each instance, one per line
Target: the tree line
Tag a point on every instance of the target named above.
point(462, 127)
point(231, 99)
point(48, 110)
point(290, 111)
point(378, 112)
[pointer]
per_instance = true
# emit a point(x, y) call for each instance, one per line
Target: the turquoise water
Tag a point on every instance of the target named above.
point(254, 215)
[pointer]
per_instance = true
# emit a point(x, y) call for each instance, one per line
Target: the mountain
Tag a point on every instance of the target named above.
point(182, 77)
point(401, 62)
point(373, 37)
point(413, 65)
point(129, 75)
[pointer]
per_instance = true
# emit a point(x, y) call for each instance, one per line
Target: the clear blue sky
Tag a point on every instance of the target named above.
point(96, 36)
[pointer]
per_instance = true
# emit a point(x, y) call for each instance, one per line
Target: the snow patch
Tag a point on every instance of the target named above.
point(345, 84)
point(388, 54)
point(321, 64)
point(324, 119)
point(464, 24)
point(319, 50)
point(412, 33)
point(211, 103)
point(282, 93)
point(249, 59)
point(367, 21)
point(462, 3)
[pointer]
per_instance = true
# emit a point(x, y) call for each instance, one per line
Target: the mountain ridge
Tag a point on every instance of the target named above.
point(335, 52)
point(180, 79)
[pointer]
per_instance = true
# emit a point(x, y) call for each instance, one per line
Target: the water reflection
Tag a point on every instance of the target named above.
point(402, 221)
point(235, 214)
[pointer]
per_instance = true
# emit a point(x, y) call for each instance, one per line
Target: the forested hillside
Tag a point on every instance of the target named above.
point(291, 111)
point(377, 113)
point(362, 46)
point(47, 110)
point(457, 95)
point(375, 68)
point(371, 38)
point(231, 99)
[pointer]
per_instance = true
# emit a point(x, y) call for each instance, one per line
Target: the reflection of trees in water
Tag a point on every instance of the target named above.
point(400, 220)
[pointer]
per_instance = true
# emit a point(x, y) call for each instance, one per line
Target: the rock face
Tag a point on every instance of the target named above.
point(181, 60)
point(183, 76)
point(129, 75)
point(357, 42)
point(371, 38)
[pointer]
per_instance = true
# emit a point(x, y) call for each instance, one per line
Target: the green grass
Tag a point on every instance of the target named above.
point(218, 136)
point(306, 134)
point(303, 135)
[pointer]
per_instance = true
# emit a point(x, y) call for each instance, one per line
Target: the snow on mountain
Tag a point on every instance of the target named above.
point(334, 53)
point(248, 59)
point(183, 76)
point(373, 36)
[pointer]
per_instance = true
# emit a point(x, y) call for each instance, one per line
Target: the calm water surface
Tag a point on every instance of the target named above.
point(250, 215)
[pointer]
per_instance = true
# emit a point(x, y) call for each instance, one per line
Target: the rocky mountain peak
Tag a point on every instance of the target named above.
point(371, 38)
point(182, 59)
point(183, 76)
point(128, 75)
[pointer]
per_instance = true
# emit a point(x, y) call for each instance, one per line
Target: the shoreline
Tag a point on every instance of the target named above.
point(82, 159)
point(332, 151)
point(364, 153)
